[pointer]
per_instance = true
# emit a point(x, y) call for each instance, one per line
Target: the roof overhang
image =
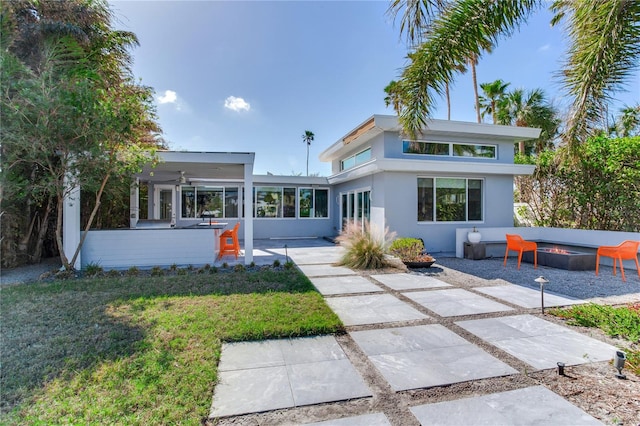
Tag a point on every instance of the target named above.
point(378, 124)
point(428, 166)
point(176, 167)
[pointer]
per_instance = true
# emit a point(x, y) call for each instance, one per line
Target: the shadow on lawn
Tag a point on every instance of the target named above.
point(63, 328)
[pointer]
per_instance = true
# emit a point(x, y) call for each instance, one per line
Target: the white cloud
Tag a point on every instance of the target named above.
point(544, 48)
point(169, 97)
point(236, 104)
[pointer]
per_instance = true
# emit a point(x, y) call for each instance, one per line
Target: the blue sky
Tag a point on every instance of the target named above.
point(253, 76)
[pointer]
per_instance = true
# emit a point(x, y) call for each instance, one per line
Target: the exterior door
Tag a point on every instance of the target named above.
point(164, 203)
point(355, 206)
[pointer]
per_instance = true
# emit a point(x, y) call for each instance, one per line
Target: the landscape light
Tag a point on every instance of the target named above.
point(542, 281)
point(618, 363)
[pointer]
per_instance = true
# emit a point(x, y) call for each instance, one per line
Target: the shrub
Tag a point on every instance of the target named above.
point(93, 270)
point(365, 245)
point(133, 271)
point(225, 265)
point(409, 250)
point(289, 265)
point(239, 268)
point(252, 264)
point(213, 270)
point(157, 271)
point(182, 271)
point(276, 263)
point(113, 273)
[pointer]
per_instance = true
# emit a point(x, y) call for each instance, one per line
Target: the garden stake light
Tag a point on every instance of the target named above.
point(542, 280)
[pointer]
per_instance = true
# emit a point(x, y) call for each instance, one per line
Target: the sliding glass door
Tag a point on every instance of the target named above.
point(355, 206)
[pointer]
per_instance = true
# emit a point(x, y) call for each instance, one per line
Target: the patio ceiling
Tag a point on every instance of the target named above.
point(197, 167)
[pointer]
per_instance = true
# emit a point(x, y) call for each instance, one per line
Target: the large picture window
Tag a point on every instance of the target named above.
point(275, 201)
point(314, 202)
point(449, 199)
point(209, 201)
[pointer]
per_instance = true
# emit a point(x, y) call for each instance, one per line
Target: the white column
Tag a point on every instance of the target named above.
point(248, 213)
point(134, 203)
point(71, 224)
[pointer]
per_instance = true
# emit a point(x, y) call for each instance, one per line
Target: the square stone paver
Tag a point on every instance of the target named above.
point(274, 374)
point(373, 419)
point(314, 255)
point(527, 297)
point(372, 309)
point(456, 302)
point(409, 281)
point(537, 342)
point(534, 405)
point(326, 270)
point(344, 285)
point(426, 356)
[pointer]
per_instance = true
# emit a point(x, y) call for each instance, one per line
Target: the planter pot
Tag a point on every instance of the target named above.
point(474, 237)
point(416, 265)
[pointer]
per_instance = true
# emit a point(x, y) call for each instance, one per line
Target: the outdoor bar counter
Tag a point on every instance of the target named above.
point(154, 245)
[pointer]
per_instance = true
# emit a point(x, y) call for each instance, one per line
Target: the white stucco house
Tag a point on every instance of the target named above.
point(453, 177)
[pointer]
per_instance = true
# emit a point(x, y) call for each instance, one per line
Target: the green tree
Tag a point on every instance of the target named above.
point(494, 93)
point(394, 96)
point(605, 44)
point(307, 138)
point(529, 109)
point(627, 123)
point(73, 114)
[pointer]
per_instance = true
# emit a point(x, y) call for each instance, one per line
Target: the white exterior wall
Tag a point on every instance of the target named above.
point(145, 248)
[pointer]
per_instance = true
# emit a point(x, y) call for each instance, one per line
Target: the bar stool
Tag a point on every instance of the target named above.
point(229, 247)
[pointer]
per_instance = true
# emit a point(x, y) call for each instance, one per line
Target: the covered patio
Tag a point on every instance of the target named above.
point(169, 227)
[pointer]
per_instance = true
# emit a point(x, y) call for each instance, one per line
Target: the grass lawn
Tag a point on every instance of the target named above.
point(139, 350)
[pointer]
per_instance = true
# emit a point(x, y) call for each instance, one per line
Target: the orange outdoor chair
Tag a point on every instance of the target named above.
point(626, 250)
point(229, 242)
point(517, 243)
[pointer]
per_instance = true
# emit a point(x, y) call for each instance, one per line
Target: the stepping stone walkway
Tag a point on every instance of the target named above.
point(399, 326)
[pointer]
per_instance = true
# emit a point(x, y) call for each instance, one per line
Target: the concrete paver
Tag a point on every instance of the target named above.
point(409, 281)
point(329, 286)
point(456, 302)
point(537, 342)
point(372, 309)
point(426, 356)
point(274, 374)
point(534, 405)
point(314, 270)
point(527, 297)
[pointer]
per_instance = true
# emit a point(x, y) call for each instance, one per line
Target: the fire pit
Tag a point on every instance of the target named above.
point(563, 259)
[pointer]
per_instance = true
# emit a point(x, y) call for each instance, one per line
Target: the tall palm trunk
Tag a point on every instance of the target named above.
point(472, 61)
point(446, 88)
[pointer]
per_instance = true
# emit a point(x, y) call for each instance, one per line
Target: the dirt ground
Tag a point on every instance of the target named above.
point(593, 387)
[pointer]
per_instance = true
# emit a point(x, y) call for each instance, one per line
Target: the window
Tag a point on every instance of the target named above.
point(354, 160)
point(209, 201)
point(275, 201)
point(449, 149)
point(449, 199)
point(314, 203)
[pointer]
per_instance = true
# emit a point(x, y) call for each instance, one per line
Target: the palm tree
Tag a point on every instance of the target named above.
point(493, 93)
point(307, 137)
point(530, 109)
point(394, 96)
point(605, 44)
point(627, 123)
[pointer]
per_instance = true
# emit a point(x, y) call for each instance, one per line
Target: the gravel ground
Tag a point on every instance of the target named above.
point(604, 288)
point(29, 273)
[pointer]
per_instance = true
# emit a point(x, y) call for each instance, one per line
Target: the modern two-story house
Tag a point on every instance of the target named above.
point(454, 175)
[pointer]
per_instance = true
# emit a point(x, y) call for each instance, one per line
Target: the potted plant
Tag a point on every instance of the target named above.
point(411, 252)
